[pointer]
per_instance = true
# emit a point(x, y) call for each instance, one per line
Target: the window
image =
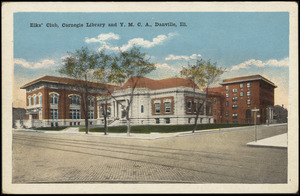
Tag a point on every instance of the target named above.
point(248, 93)
point(29, 101)
point(241, 85)
point(91, 114)
point(142, 109)
point(34, 100)
point(54, 114)
point(209, 110)
point(40, 99)
point(227, 113)
point(234, 98)
point(91, 101)
point(157, 108)
point(227, 88)
point(227, 103)
point(75, 100)
point(227, 95)
point(234, 90)
point(157, 121)
point(74, 114)
point(234, 115)
point(54, 99)
point(215, 111)
point(248, 85)
point(248, 101)
point(189, 106)
point(215, 101)
point(167, 107)
point(167, 120)
point(234, 106)
point(108, 111)
point(195, 107)
point(241, 94)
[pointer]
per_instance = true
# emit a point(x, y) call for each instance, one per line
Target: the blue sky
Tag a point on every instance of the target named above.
point(243, 43)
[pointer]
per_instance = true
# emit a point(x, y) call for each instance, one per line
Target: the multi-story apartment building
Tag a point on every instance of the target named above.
point(243, 94)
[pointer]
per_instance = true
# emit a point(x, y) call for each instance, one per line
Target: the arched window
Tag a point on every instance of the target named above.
point(53, 99)
point(91, 101)
point(29, 101)
point(74, 100)
point(40, 98)
point(34, 100)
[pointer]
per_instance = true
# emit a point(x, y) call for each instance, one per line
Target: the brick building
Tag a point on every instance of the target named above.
point(241, 95)
point(56, 101)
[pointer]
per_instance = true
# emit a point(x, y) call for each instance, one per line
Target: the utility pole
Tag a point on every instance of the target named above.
point(255, 110)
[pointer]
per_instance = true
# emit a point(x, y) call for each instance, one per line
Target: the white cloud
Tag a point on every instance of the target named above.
point(31, 65)
point(173, 57)
point(168, 67)
point(258, 63)
point(103, 38)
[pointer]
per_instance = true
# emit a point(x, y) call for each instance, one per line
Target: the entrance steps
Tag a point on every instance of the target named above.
point(71, 130)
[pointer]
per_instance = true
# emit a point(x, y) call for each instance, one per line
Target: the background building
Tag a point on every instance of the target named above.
point(243, 94)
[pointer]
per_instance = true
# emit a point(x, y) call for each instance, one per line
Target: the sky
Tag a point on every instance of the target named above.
point(243, 43)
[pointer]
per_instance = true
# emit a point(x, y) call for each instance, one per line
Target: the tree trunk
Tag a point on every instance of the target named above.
point(86, 106)
point(105, 117)
point(128, 127)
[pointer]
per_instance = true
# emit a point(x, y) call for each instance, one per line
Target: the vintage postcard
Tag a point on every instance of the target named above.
point(164, 97)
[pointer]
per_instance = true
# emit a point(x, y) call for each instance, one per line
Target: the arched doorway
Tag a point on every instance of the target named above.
point(248, 116)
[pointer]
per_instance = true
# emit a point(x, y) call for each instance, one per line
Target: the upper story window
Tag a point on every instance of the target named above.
point(235, 90)
point(227, 103)
point(234, 98)
point(91, 102)
point(167, 107)
point(234, 106)
point(54, 99)
point(227, 88)
point(227, 95)
point(248, 85)
point(234, 115)
point(40, 99)
point(241, 85)
point(142, 109)
point(215, 101)
point(248, 101)
point(241, 94)
point(34, 100)
point(157, 108)
point(227, 113)
point(29, 101)
point(74, 100)
point(248, 93)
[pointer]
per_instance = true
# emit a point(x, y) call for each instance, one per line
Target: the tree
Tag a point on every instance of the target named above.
point(79, 65)
point(202, 74)
point(131, 65)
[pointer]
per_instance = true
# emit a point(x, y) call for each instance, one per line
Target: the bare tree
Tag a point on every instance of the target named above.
point(202, 74)
point(79, 65)
point(131, 65)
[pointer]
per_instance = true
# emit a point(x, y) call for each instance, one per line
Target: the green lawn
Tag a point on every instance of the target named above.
point(162, 128)
point(51, 128)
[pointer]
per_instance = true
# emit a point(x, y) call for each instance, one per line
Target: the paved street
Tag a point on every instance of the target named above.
point(213, 157)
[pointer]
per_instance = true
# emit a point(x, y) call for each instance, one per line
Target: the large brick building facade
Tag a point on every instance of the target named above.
point(56, 101)
point(243, 94)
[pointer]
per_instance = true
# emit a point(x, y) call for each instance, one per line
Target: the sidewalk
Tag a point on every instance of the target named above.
point(279, 141)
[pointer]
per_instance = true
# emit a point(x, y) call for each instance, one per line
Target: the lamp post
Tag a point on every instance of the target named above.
point(255, 110)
